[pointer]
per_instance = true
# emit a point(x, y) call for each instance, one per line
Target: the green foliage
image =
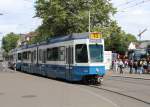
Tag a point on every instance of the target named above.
point(119, 41)
point(61, 17)
point(10, 41)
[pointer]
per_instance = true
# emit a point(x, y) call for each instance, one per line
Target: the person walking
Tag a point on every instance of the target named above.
point(120, 63)
point(126, 63)
point(145, 66)
point(116, 65)
point(131, 66)
point(140, 66)
point(135, 66)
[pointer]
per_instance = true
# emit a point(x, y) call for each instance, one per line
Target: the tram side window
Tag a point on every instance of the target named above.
point(40, 54)
point(81, 53)
point(28, 55)
point(56, 54)
point(44, 52)
point(25, 55)
point(34, 55)
point(61, 53)
point(19, 56)
point(50, 54)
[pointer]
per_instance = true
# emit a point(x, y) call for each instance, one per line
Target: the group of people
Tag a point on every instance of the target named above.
point(118, 64)
point(135, 66)
point(139, 66)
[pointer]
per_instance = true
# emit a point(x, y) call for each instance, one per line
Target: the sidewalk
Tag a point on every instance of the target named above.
point(126, 74)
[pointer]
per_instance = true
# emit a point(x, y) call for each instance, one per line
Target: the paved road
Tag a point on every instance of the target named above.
point(134, 87)
point(24, 90)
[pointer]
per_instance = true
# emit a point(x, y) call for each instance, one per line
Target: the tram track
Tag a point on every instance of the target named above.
point(125, 80)
point(135, 78)
point(119, 93)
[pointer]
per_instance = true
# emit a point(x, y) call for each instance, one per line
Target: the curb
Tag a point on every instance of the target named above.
point(130, 77)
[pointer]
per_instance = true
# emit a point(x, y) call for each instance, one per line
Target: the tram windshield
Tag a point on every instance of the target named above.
point(96, 53)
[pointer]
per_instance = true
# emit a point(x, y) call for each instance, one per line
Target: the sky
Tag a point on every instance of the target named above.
point(18, 16)
point(133, 16)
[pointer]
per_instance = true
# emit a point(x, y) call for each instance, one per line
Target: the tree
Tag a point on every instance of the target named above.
point(10, 41)
point(61, 17)
point(119, 41)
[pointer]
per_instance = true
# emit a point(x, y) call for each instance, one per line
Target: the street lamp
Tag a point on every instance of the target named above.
point(89, 22)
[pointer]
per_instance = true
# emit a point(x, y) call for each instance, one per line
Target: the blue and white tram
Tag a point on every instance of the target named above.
point(74, 58)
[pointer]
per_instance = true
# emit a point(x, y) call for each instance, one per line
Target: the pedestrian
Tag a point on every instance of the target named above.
point(116, 65)
point(131, 66)
point(135, 66)
point(121, 65)
point(125, 63)
point(145, 66)
point(113, 64)
point(140, 67)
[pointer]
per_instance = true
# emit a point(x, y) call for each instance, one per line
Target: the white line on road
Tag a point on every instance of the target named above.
point(100, 97)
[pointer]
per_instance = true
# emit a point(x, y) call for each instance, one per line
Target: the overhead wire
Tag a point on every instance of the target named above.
point(136, 4)
point(126, 3)
point(130, 5)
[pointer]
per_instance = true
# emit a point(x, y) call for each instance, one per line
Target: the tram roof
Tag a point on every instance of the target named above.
point(74, 36)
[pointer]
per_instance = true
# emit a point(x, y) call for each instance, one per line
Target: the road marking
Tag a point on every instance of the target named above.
point(100, 97)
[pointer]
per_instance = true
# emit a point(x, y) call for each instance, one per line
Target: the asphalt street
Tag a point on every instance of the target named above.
point(24, 90)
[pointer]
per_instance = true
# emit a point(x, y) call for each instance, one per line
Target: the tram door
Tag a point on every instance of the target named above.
point(33, 61)
point(69, 62)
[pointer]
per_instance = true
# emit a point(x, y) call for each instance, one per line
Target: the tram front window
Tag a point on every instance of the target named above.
point(96, 53)
point(81, 53)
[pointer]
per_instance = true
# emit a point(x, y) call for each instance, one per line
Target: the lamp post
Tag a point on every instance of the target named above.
point(89, 22)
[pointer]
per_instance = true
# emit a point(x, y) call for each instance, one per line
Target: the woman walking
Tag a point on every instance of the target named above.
point(121, 66)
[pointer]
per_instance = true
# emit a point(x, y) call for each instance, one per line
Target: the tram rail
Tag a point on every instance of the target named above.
point(119, 93)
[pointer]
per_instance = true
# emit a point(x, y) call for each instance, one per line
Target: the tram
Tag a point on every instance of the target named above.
point(75, 57)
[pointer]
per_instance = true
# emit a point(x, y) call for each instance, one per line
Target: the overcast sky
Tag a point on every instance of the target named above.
point(18, 16)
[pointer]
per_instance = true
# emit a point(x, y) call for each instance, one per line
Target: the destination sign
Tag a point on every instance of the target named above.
point(95, 35)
